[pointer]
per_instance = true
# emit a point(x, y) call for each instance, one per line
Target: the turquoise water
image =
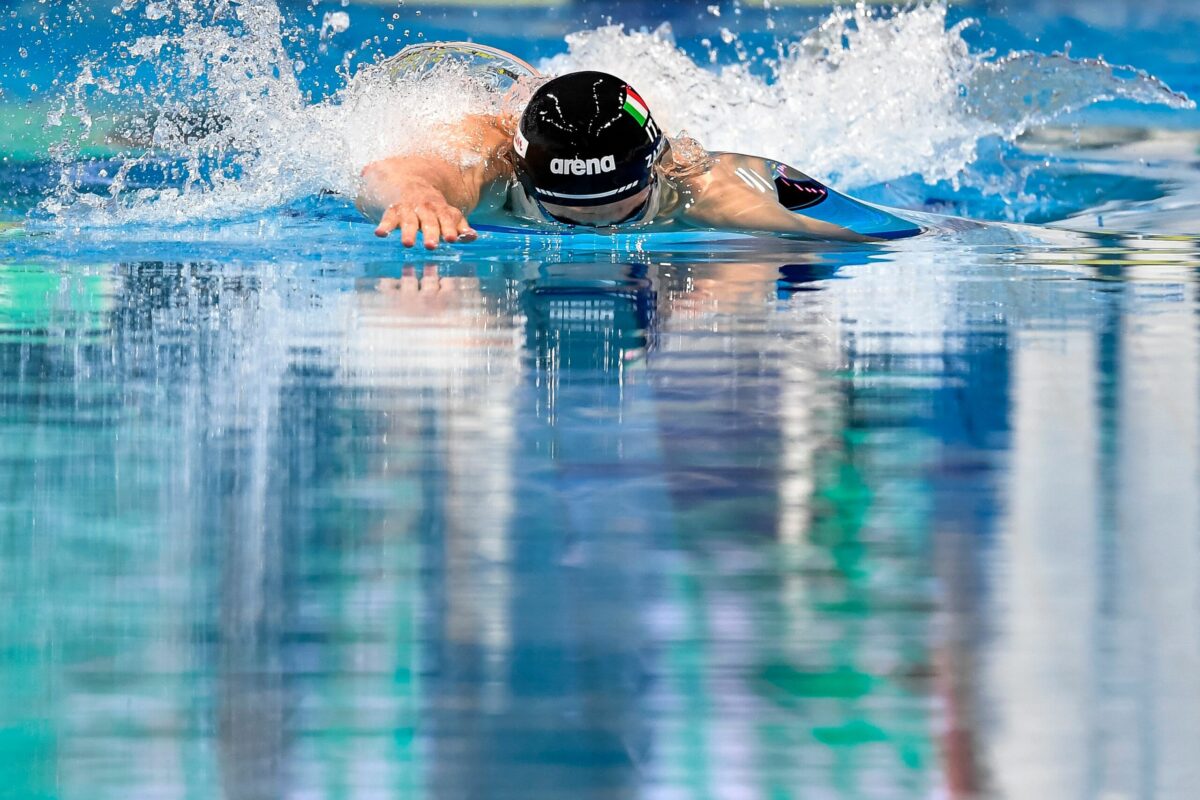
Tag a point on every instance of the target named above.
point(288, 512)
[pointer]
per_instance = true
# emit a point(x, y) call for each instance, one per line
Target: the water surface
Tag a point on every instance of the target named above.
point(886, 522)
point(286, 511)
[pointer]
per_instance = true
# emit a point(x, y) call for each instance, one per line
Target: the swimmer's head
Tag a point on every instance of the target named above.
point(586, 148)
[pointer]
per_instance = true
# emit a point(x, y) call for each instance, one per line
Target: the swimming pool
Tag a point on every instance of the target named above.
point(287, 511)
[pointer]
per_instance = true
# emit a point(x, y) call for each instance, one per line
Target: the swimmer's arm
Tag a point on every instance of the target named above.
point(720, 198)
point(432, 193)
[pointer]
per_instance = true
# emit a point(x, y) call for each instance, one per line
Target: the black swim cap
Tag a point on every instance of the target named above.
point(586, 139)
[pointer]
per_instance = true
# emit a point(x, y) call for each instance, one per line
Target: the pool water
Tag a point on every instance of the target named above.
point(287, 511)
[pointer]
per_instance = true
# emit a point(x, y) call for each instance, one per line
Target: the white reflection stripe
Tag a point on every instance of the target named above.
point(587, 196)
point(755, 180)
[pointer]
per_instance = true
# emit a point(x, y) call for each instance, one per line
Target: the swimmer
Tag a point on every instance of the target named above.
point(586, 152)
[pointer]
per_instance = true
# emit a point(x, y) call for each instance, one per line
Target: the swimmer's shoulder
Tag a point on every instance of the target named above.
point(717, 189)
point(701, 170)
point(711, 174)
point(687, 171)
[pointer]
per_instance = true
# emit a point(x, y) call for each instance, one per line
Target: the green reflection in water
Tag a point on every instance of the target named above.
point(234, 507)
point(33, 298)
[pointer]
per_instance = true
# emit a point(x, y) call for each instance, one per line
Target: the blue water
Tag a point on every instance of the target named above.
point(286, 511)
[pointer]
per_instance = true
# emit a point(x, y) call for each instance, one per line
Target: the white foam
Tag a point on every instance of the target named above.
point(863, 98)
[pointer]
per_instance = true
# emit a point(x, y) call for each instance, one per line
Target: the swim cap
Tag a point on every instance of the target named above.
point(586, 139)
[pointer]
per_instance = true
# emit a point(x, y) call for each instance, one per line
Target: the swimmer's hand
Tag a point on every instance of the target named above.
point(425, 210)
point(433, 192)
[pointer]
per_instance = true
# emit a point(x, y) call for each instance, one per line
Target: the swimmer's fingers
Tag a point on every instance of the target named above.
point(398, 216)
point(448, 220)
point(436, 223)
point(430, 226)
point(390, 221)
point(462, 228)
point(455, 227)
point(409, 226)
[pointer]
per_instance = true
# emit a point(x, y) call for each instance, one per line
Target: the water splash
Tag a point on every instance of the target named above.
point(222, 127)
point(865, 97)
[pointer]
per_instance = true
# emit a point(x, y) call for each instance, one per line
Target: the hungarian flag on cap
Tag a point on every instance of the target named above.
point(636, 106)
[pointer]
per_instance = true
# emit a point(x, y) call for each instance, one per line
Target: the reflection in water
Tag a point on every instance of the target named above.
point(861, 524)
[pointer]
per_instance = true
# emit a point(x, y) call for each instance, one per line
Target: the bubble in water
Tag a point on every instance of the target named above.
point(334, 22)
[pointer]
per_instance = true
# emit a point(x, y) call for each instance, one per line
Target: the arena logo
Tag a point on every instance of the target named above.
point(579, 166)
